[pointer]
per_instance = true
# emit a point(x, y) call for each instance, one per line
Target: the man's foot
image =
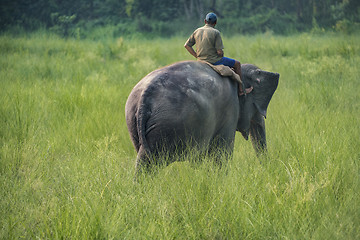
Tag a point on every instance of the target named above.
point(247, 91)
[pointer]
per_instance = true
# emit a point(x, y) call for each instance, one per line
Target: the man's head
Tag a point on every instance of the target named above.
point(211, 18)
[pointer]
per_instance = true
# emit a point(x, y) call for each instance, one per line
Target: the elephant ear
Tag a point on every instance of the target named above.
point(264, 91)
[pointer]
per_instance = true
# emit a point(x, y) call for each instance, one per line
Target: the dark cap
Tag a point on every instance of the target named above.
point(211, 18)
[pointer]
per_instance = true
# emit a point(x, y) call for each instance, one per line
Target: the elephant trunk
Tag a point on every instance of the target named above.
point(258, 135)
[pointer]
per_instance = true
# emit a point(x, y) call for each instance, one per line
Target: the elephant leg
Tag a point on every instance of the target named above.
point(221, 149)
point(147, 161)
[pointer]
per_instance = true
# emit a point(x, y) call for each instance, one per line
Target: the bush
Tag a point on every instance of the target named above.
point(347, 27)
point(64, 25)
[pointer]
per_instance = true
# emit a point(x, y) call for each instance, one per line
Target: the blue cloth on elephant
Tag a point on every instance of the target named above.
point(226, 61)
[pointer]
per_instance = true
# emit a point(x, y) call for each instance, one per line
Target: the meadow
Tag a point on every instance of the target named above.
point(67, 163)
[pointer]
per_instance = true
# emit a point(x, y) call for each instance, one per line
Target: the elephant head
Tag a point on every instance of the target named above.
point(254, 105)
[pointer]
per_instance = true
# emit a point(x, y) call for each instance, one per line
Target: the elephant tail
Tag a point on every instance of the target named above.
point(143, 116)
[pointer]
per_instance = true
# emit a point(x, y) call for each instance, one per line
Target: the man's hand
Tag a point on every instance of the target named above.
point(190, 50)
point(220, 52)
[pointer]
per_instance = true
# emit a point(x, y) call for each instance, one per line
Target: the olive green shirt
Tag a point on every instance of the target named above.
point(208, 41)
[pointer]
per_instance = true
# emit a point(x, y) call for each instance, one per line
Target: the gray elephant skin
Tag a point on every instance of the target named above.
point(189, 104)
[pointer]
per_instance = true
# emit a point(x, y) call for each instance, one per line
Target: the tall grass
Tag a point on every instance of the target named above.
point(67, 163)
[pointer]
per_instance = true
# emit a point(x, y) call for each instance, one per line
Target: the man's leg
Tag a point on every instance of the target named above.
point(237, 69)
point(236, 65)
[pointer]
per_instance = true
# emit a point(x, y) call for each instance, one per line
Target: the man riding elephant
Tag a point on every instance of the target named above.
point(209, 48)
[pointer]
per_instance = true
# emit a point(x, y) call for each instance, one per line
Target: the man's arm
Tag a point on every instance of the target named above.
point(190, 50)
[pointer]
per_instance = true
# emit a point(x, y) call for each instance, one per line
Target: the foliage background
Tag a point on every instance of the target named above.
point(169, 17)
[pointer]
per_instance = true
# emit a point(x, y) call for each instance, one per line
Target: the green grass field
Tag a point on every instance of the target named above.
point(67, 163)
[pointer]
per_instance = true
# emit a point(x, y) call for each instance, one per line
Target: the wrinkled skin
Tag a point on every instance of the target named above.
point(188, 103)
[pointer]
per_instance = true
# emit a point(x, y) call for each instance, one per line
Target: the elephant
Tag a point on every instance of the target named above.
point(189, 104)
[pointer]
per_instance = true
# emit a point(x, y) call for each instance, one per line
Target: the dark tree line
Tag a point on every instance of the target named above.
point(167, 16)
